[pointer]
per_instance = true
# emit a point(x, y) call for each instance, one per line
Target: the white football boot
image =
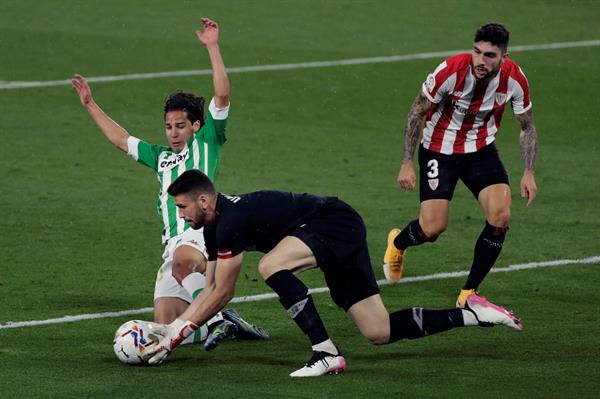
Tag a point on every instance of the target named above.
point(322, 363)
point(488, 314)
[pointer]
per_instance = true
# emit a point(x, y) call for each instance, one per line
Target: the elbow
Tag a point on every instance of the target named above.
point(222, 98)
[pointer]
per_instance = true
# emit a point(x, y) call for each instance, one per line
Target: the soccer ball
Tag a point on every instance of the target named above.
point(131, 340)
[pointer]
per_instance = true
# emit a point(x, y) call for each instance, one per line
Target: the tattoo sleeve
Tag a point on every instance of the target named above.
point(414, 125)
point(527, 139)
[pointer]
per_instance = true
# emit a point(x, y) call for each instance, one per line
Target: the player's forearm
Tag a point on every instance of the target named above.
point(414, 126)
point(113, 132)
point(212, 304)
point(219, 73)
point(528, 140)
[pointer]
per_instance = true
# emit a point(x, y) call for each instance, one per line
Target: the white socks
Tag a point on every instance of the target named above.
point(326, 346)
point(194, 283)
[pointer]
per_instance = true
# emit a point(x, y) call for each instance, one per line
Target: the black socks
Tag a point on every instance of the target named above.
point(412, 234)
point(487, 249)
point(418, 322)
point(294, 297)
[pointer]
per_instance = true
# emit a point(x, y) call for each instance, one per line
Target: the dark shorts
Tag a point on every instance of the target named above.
point(439, 173)
point(337, 236)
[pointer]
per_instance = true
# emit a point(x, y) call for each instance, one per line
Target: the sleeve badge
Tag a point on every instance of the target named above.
point(430, 83)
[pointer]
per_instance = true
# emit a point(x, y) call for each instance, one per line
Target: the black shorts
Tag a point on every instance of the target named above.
point(337, 236)
point(439, 173)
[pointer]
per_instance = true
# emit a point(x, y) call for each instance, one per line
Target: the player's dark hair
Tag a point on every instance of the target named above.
point(188, 102)
point(191, 182)
point(493, 33)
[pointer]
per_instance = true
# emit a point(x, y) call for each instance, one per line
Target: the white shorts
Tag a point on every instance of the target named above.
point(166, 285)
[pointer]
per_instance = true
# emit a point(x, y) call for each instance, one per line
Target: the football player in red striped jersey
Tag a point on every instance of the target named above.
point(457, 114)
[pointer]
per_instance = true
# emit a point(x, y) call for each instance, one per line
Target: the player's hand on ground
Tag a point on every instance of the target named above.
point(406, 177)
point(172, 336)
point(528, 187)
point(82, 88)
point(210, 35)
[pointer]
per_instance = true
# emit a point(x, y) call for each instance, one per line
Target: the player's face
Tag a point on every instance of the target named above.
point(486, 59)
point(191, 210)
point(179, 129)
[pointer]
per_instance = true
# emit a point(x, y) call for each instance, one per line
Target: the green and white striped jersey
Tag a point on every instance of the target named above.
point(202, 152)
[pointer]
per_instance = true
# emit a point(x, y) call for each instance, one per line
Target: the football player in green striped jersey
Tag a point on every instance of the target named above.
point(195, 142)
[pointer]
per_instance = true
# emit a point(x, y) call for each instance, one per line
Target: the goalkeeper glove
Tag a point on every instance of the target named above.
point(172, 336)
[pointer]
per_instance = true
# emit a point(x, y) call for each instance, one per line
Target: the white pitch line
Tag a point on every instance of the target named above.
point(12, 85)
point(262, 297)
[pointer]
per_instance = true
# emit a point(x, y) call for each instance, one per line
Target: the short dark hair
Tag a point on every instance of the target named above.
point(191, 182)
point(493, 33)
point(192, 104)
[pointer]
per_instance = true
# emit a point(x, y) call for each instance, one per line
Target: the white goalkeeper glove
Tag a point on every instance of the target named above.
point(172, 336)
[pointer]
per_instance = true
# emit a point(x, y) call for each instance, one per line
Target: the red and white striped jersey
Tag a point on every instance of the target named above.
point(466, 113)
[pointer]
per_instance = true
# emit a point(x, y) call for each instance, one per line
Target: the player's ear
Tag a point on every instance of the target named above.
point(196, 126)
point(203, 201)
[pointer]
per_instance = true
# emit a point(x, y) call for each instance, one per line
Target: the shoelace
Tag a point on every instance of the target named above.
point(319, 356)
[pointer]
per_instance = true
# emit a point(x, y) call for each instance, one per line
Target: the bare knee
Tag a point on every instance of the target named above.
point(181, 269)
point(187, 261)
point(432, 227)
point(266, 267)
point(500, 218)
point(376, 336)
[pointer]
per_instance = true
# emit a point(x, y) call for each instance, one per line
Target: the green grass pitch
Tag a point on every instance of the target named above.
point(79, 233)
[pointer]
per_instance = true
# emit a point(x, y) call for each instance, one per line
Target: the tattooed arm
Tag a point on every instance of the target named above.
point(528, 143)
point(414, 125)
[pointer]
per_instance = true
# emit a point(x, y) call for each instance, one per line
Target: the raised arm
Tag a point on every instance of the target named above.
point(113, 132)
point(412, 132)
point(528, 143)
point(210, 38)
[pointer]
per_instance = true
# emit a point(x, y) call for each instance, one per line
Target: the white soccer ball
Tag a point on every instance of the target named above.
point(131, 341)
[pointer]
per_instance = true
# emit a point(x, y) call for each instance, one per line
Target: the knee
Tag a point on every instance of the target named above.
point(187, 263)
point(433, 228)
point(265, 267)
point(499, 218)
point(376, 337)
point(378, 333)
point(181, 269)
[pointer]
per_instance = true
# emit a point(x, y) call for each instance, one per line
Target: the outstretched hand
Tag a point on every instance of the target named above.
point(82, 88)
point(210, 35)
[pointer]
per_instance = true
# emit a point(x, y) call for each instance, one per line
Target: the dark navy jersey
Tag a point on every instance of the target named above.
point(257, 221)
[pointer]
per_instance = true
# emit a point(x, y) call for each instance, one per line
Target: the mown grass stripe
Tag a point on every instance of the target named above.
point(262, 297)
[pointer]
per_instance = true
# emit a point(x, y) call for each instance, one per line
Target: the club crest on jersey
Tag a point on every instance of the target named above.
point(430, 82)
point(433, 183)
point(501, 98)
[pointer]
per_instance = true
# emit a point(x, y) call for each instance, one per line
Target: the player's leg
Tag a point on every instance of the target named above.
point(189, 266)
point(277, 267)
point(355, 289)
point(438, 175)
point(381, 327)
point(166, 309)
point(493, 193)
